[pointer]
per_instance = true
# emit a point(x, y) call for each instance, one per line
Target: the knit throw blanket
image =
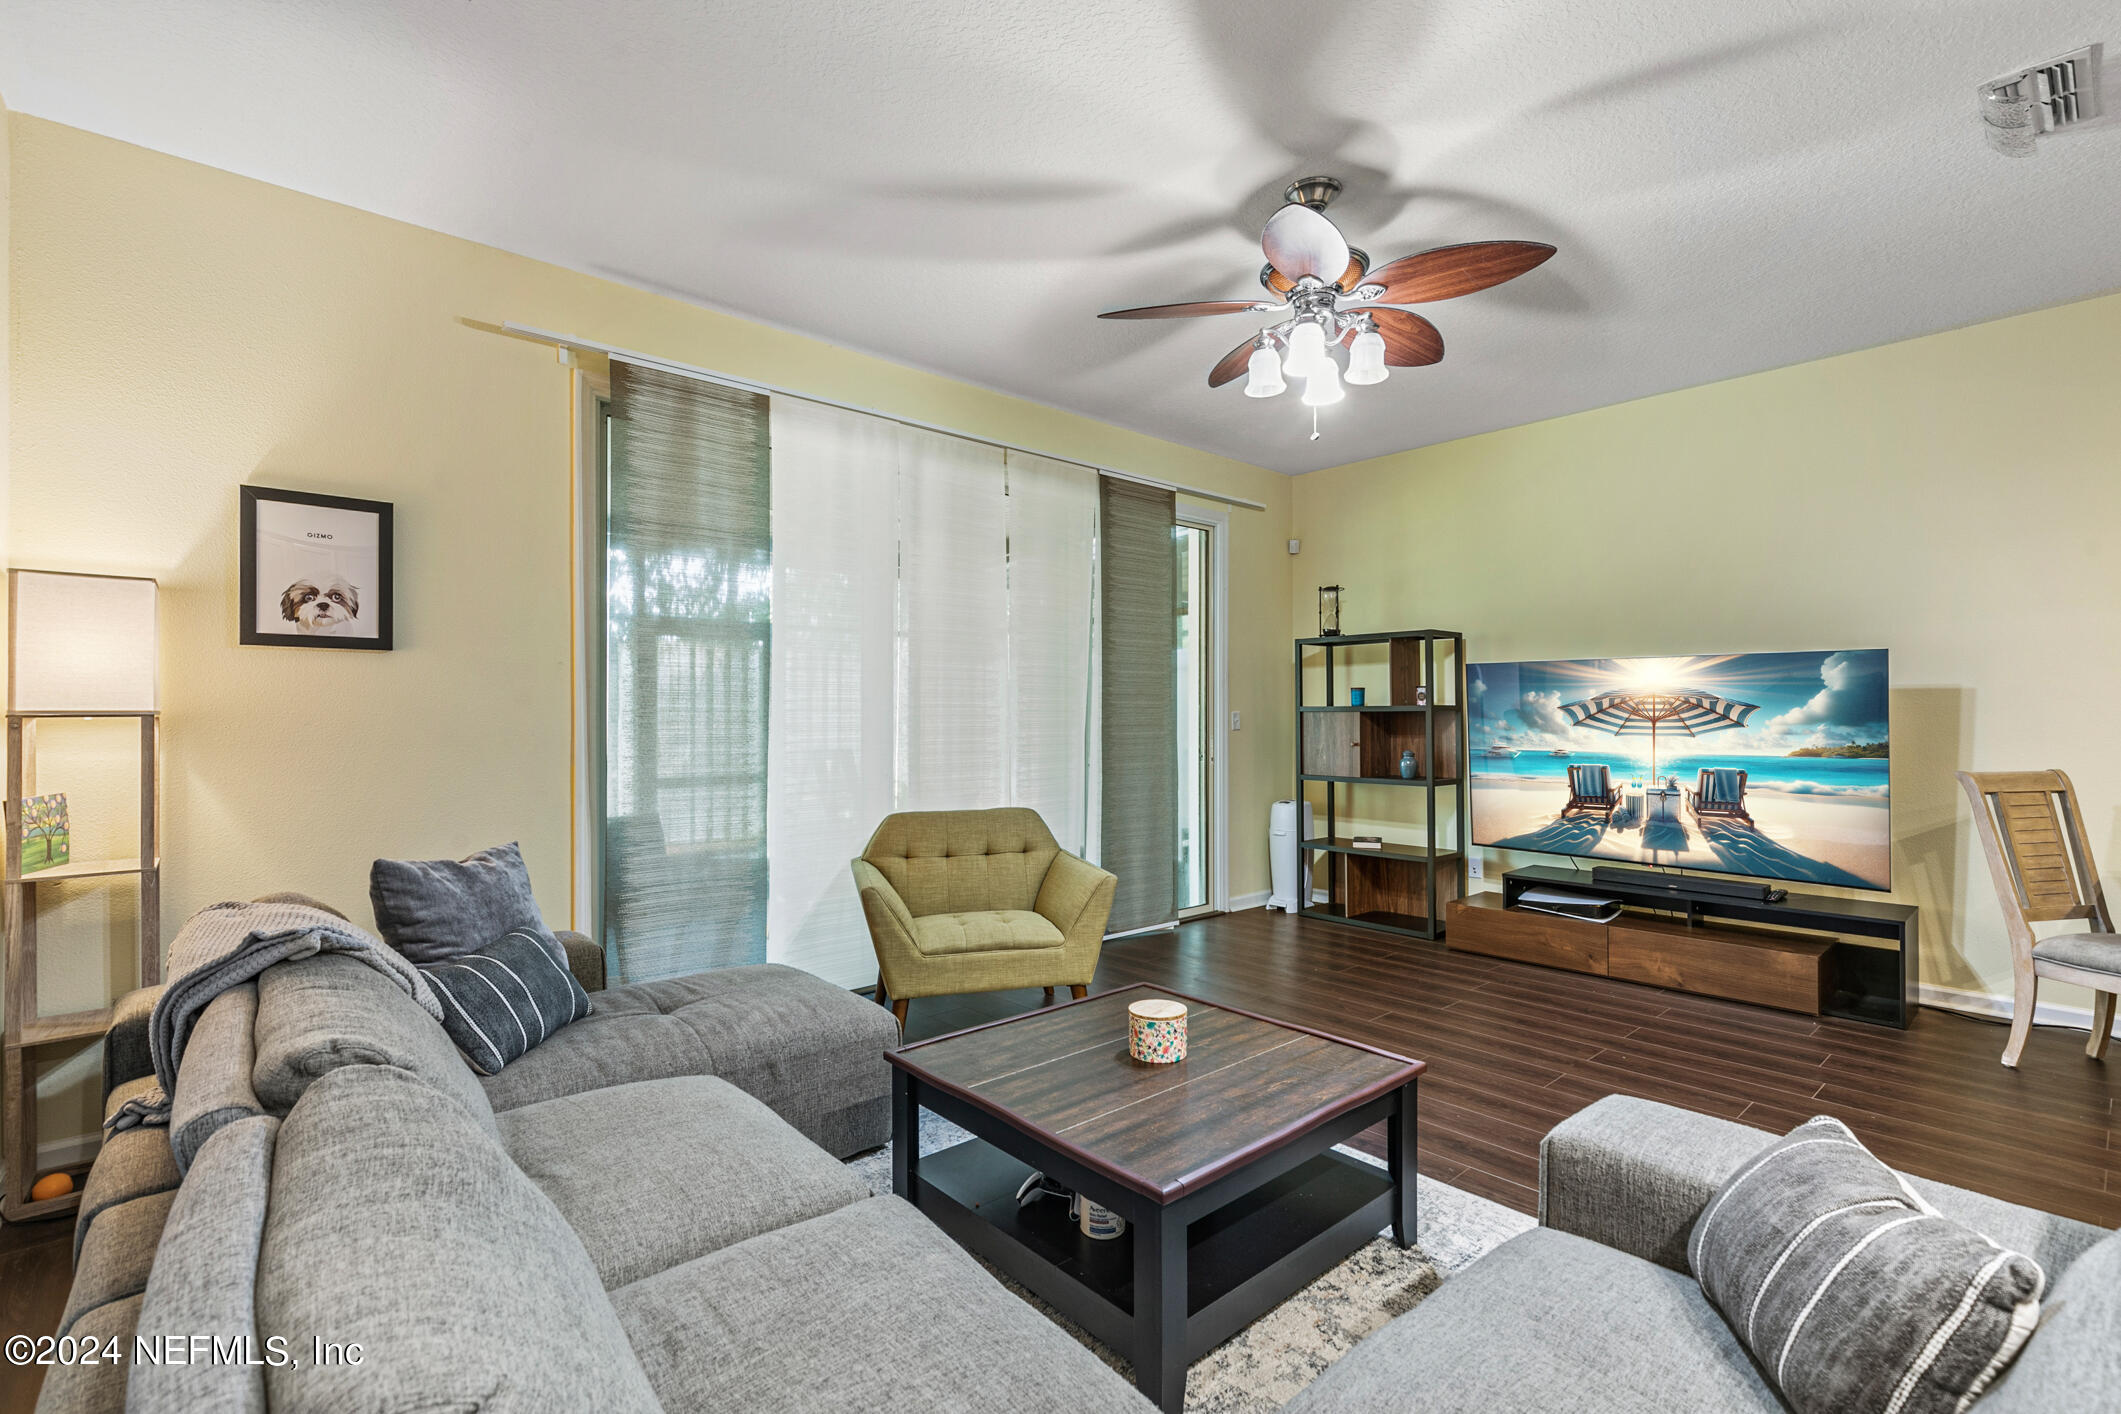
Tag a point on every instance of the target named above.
point(225, 946)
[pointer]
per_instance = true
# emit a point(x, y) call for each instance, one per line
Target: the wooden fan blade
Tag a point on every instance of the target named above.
point(1453, 270)
point(1299, 242)
point(1184, 311)
point(1410, 340)
point(1233, 363)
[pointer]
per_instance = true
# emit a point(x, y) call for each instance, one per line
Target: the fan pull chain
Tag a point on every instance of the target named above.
point(1314, 424)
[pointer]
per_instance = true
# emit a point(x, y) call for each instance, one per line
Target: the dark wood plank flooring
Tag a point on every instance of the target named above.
point(36, 1268)
point(1514, 1049)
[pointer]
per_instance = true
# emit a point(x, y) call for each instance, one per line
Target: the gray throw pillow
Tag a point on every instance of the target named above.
point(435, 909)
point(1850, 1291)
point(505, 998)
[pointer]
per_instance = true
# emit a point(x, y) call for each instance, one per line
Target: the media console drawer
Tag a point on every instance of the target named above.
point(1785, 970)
point(1480, 924)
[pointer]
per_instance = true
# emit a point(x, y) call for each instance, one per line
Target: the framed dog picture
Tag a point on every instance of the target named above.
point(316, 570)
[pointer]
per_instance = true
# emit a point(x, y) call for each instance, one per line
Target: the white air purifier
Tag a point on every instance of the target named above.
point(1285, 861)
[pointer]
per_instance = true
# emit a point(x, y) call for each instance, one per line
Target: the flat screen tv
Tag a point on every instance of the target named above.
point(1769, 765)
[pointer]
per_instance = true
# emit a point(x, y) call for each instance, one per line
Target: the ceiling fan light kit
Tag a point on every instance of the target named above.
point(1328, 296)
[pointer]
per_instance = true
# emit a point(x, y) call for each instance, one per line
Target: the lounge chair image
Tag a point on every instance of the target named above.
point(1591, 791)
point(1719, 795)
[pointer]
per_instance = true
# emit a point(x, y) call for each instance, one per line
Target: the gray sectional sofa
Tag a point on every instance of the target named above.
point(1594, 1311)
point(646, 1212)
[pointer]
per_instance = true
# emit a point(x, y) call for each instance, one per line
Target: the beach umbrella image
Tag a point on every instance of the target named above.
point(1637, 713)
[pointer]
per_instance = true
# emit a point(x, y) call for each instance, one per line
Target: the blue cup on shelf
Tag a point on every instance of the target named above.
point(1355, 697)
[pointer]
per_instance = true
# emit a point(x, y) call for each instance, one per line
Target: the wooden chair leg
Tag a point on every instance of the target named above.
point(883, 996)
point(1049, 998)
point(898, 1009)
point(2021, 1017)
point(2102, 1025)
point(1078, 991)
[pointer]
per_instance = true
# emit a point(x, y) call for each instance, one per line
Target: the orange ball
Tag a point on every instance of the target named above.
point(52, 1185)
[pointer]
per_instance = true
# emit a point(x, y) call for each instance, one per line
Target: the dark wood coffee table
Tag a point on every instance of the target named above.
point(1222, 1165)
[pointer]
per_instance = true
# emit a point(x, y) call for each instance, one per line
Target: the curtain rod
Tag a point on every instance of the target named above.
point(749, 385)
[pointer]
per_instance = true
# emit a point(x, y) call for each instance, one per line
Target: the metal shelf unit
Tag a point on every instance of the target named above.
point(1402, 888)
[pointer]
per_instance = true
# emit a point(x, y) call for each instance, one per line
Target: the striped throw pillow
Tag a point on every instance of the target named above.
point(1853, 1294)
point(505, 998)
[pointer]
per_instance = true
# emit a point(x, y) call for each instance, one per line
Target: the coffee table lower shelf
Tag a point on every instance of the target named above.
point(1242, 1260)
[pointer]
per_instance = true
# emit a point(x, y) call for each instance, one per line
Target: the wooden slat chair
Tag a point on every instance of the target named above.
point(2033, 834)
point(1720, 793)
point(1591, 791)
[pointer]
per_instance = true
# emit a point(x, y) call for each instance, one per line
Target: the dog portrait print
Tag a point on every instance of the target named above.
point(316, 570)
point(331, 607)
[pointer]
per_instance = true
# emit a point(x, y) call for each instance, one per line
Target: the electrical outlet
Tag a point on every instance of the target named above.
point(1474, 866)
point(1237, 721)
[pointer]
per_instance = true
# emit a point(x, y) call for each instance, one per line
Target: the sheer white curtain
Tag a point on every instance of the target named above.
point(933, 615)
point(1052, 696)
point(953, 623)
point(831, 738)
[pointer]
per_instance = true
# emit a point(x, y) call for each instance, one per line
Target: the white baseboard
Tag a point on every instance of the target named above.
point(1259, 900)
point(1993, 1007)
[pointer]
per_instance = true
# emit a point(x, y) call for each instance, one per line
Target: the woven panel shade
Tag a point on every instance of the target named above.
point(688, 644)
point(1138, 576)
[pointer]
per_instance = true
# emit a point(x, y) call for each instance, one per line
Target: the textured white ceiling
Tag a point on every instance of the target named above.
point(963, 184)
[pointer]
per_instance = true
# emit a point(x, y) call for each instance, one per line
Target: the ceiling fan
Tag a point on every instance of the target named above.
point(1327, 295)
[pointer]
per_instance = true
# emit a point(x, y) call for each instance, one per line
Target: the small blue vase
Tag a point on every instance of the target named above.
point(1406, 765)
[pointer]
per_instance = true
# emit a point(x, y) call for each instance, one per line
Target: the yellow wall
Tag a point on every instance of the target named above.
point(1951, 498)
point(181, 331)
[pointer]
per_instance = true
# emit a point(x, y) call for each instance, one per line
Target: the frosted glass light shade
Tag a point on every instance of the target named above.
point(1307, 349)
point(80, 643)
point(1366, 358)
point(1265, 370)
point(1322, 388)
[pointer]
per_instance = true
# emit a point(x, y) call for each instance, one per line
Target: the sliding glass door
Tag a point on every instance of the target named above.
point(1196, 707)
point(805, 618)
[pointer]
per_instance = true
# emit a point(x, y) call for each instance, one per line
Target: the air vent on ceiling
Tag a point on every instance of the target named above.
point(2053, 97)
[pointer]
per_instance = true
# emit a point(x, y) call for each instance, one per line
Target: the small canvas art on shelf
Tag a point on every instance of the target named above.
point(316, 570)
point(46, 839)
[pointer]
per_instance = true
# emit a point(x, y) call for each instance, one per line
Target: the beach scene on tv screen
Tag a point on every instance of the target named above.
point(1772, 765)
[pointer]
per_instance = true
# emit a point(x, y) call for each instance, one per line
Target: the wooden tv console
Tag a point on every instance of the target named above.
point(1802, 961)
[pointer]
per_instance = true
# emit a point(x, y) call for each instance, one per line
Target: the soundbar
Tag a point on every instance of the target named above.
point(1685, 885)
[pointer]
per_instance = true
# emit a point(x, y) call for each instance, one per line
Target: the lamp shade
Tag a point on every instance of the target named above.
point(80, 643)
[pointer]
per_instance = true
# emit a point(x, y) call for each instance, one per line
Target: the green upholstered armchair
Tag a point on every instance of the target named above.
point(978, 901)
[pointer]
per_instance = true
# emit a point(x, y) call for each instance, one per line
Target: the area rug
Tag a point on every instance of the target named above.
point(1265, 1365)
